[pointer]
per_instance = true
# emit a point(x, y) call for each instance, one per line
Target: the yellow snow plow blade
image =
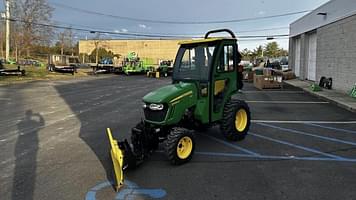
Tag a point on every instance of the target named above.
point(117, 158)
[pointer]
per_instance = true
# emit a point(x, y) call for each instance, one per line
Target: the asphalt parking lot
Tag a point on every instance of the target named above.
point(53, 145)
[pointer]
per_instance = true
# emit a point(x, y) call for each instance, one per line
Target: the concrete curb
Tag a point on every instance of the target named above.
point(322, 96)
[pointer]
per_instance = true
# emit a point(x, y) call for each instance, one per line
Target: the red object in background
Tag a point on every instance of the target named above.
point(240, 68)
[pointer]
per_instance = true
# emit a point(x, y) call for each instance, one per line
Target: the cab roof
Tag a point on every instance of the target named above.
point(205, 40)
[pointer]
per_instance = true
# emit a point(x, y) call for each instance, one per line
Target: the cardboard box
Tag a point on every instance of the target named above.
point(288, 75)
point(248, 76)
point(267, 82)
point(267, 71)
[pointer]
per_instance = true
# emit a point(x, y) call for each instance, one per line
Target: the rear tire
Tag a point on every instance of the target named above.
point(179, 145)
point(236, 120)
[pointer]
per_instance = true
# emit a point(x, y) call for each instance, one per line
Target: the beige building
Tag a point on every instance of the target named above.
point(155, 50)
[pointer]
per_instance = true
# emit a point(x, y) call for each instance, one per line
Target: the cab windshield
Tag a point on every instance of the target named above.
point(193, 62)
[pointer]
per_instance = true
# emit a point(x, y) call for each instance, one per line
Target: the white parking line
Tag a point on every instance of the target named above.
point(290, 102)
point(302, 122)
point(269, 91)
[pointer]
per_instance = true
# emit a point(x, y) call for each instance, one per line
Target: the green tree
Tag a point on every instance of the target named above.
point(246, 54)
point(102, 53)
point(258, 52)
point(272, 50)
point(283, 52)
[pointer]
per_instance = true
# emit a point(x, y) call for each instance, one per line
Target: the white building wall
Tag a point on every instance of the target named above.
point(335, 46)
point(336, 53)
point(335, 9)
point(297, 54)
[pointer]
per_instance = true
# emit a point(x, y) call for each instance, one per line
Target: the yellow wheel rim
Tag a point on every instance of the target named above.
point(184, 147)
point(241, 120)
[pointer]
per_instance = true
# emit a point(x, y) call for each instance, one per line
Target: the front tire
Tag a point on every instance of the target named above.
point(236, 120)
point(179, 145)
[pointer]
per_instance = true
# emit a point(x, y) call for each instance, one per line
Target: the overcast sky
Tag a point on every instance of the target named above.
point(183, 11)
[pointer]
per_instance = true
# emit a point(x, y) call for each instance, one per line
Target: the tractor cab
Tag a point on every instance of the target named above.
point(211, 65)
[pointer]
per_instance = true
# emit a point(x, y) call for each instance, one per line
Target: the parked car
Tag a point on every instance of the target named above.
point(31, 62)
point(284, 63)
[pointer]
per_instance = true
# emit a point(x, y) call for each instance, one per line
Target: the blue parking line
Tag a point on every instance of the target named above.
point(267, 157)
point(92, 192)
point(130, 191)
point(309, 134)
point(233, 145)
point(226, 154)
point(296, 146)
point(332, 128)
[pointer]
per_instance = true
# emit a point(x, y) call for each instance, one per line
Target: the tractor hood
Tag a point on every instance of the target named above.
point(169, 93)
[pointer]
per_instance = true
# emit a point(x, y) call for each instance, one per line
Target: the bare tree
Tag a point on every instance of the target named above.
point(65, 39)
point(71, 41)
point(31, 17)
point(17, 41)
point(61, 39)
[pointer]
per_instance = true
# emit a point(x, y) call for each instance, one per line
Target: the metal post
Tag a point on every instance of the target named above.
point(96, 52)
point(96, 43)
point(7, 54)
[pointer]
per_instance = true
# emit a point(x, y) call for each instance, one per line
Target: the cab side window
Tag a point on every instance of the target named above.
point(226, 61)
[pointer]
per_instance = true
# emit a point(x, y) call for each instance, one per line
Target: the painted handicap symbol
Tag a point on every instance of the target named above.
point(133, 190)
point(130, 191)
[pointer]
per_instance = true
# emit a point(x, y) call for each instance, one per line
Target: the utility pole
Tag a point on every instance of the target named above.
point(7, 54)
point(96, 44)
point(96, 52)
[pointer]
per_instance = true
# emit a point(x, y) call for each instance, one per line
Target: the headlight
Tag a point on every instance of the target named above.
point(154, 106)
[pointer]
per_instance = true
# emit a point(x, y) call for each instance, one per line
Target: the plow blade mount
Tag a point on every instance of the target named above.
point(117, 157)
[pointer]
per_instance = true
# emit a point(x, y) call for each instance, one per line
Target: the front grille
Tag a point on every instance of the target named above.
point(155, 115)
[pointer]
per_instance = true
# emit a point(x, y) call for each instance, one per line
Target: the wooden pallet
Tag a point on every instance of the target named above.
point(267, 82)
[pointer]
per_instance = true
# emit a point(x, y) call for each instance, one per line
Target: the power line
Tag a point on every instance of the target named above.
point(263, 36)
point(178, 34)
point(199, 35)
point(265, 29)
point(260, 39)
point(175, 22)
point(90, 30)
point(133, 34)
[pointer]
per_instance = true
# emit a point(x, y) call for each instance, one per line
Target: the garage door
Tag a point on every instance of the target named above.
point(312, 57)
point(297, 57)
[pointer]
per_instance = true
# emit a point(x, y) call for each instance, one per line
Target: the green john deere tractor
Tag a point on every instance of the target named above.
point(133, 65)
point(203, 93)
point(164, 69)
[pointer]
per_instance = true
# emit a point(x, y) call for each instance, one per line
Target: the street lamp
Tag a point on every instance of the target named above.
point(322, 13)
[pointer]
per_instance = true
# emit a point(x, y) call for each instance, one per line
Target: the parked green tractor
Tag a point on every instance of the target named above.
point(203, 93)
point(133, 65)
point(165, 69)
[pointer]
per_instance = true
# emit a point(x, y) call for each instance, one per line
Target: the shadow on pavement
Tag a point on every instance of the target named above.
point(112, 102)
point(26, 156)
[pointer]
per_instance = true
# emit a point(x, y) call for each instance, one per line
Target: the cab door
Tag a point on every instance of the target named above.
point(224, 76)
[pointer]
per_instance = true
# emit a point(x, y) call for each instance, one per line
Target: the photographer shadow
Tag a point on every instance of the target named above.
point(26, 149)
